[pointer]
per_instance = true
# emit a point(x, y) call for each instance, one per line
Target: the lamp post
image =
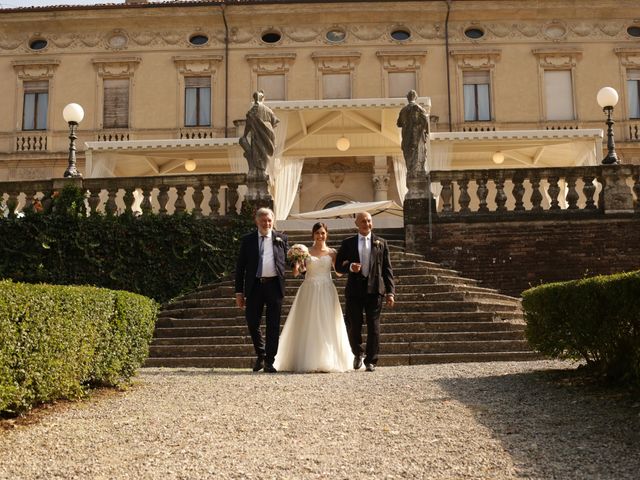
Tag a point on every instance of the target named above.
point(73, 115)
point(607, 99)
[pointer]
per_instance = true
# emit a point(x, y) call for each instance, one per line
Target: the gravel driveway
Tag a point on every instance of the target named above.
point(484, 420)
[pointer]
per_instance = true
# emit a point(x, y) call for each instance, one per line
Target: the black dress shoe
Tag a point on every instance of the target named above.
point(371, 367)
point(268, 368)
point(357, 362)
point(259, 365)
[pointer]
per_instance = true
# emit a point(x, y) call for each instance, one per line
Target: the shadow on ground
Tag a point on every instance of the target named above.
point(554, 425)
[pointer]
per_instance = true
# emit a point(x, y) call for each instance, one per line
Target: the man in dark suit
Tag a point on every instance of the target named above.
point(366, 258)
point(259, 283)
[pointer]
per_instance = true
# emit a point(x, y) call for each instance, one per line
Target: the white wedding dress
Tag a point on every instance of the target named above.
point(314, 337)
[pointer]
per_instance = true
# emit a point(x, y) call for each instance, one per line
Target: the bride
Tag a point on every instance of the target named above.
point(314, 337)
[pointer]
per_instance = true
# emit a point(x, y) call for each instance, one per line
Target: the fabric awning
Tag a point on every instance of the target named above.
point(352, 208)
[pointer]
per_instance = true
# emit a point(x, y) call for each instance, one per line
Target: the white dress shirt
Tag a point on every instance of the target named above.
point(268, 262)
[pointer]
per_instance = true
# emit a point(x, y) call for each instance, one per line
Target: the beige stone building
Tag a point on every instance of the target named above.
point(165, 87)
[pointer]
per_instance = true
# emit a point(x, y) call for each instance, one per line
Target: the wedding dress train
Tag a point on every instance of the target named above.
point(314, 337)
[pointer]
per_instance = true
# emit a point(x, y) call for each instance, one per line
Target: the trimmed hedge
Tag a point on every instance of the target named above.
point(56, 341)
point(596, 319)
point(157, 256)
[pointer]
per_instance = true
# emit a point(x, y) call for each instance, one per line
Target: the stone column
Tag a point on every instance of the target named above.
point(380, 178)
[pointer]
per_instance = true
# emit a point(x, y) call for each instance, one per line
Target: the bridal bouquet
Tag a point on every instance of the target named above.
point(297, 254)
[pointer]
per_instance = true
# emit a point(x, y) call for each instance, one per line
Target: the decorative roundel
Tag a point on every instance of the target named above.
point(38, 44)
point(401, 34)
point(336, 35)
point(634, 31)
point(271, 36)
point(118, 41)
point(474, 33)
point(198, 39)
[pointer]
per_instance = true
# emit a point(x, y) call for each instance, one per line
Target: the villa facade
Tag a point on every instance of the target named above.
point(165, 87)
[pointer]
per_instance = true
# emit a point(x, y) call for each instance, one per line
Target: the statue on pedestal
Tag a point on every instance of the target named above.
point(258, 143)
point(414, 122)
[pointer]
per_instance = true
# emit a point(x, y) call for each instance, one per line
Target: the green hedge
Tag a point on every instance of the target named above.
point(157, 256)
point(596, 319)
point(55, 341)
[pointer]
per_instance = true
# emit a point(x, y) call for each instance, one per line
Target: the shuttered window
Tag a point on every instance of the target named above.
point(558, 91)
point(273, 86)
point(197, 101)
point(336, 85)
point(36, 103)
point(116, 103)
point(477, 100)
point(633, 88)
point(400, 83)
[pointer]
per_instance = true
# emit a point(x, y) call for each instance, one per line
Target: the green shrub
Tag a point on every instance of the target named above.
point(55, 341)
point(596, 319)
point(157, 256)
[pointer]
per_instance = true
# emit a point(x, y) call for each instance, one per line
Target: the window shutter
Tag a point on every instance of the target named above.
point(336, 85)
point(197, 82)
point(400, 83)
point(476, 78)
point(272, 86)
point(116, 103)
point(558, 94)
point(41, 86)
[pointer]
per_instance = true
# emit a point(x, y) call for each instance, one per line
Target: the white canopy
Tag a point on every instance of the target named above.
point(352, 208)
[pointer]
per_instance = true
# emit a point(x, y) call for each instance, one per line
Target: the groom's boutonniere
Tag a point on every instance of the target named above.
point(277, 240)
point(377, 243)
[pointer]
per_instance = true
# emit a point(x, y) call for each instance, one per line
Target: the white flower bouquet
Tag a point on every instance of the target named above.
point(297, 254)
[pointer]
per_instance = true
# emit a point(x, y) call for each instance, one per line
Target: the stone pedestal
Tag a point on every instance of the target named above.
point(617, 195)
point(416, 220)
point(418, 187)
point(257, 193)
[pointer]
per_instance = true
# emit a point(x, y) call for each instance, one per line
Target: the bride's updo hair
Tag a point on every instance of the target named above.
point(317, 227)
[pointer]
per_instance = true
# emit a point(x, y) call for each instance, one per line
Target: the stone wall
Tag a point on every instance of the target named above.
point(514, 255)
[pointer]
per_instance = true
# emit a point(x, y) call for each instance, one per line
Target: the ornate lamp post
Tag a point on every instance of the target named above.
point(607, 99)
point(73, 115)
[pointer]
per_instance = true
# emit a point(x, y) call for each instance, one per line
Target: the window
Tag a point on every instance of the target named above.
point(558, 94)
point(336, 85)
point(197, 101)
point(477, 100)
point(400, 83)
point(116, 103)
point(272, 86)
point(36, 102)
point(633, 89)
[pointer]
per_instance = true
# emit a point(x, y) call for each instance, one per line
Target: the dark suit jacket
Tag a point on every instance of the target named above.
point(380, 271)
point(247, 264)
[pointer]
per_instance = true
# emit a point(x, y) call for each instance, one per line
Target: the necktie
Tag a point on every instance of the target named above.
point(260, 254)
point(365, 256)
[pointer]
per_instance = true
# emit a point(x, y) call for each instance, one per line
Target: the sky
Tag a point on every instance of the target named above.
point(43, 3)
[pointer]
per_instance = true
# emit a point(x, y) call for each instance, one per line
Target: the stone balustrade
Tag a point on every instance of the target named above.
point(540, 191)
point(202, 195)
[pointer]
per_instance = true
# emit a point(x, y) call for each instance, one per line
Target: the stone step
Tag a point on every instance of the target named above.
point(384, 337)
point(191, 328)
point(384, 360)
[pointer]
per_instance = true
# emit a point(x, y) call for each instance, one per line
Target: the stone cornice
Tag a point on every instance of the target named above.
point(629, 56)
point(197, 63)
point(401, 60)
point(114, 66)
point(270, 62)
point(327, 61)
point(566, 57)
point(476, 58)
point(35, 69)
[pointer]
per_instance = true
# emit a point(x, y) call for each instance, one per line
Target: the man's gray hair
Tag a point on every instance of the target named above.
point(261, 212)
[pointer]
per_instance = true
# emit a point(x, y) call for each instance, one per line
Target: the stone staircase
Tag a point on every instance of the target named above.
point(439, 317)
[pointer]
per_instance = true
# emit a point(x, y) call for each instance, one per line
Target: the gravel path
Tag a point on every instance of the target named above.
point(455, 421)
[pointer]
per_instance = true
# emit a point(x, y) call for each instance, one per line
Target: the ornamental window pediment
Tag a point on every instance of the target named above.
point(561, 58)
point(197, 64)
point(35, 69)
point(480, 59)
point(628, 56)
point(116, 67)
point(336, 61)
point(265, 63)
point(401, 60)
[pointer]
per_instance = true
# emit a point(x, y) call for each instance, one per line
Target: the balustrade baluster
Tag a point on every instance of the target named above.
point(12, 203)
point(501, 197)
point(232, 199)
point(28, 200)
point(94, 200)
point(145, 206)
point(214, 203)
point(198, 196)
point(111, 207)
point(482, 192)
point(589, 191)
point(163, 198)
point(464, 199)
point(518, 192)
point(128, 199)
point(446, 195)
point(180, 205)
point(536, 195)
point(572, 193)
point(554, 191)
point(636, 189)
